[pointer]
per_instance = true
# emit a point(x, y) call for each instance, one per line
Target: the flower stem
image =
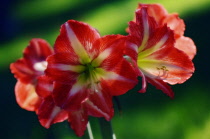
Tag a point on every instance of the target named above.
point(90, 131)
point(88, 134)
point(106, 129)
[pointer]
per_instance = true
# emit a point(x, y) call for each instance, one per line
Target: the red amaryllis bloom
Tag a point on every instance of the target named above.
point(161, 16)
point(33, 90)
point(87, 71)
point(158, 61)
point(27, 69)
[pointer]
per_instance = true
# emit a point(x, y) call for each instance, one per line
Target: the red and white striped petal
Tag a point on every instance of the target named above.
point(78, 121)
point(33, 63)
point(156, 11)
point(22, 71)
point(99, 102)
point(77, 38)
point(48, 113)
point(131, 49)
point(109, 48)
point(69, 96)
point(143, 28)
point(26, 96)
point(169, 64)
point(63, 67)
point(120, 79)
point(161, 16)
point(186, 45)
point(160, 38)
point(144, 82)
point(44, 86)
point(38, 50)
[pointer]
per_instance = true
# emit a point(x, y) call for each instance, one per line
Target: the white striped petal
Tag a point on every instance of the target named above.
point(76, 88)
point(46, 87)
point(66, 67)
point(36, 46)
point(54, 113)
point(114, 76)
point(154, 48)
point(133, 47)
point(101, 57)
point(76, 44)
point(145, 28)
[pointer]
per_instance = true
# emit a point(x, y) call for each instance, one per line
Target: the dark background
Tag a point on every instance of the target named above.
point(152, 115)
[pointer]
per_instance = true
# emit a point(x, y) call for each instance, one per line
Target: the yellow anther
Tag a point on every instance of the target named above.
point(162, 72)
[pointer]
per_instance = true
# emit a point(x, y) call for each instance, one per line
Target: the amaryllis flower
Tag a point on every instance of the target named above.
point(87, 70)
point(161, 16)
point(33, 90)
point(27, 69)
point(158, 61)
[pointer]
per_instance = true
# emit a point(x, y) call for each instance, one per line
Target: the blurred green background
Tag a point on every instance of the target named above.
point(152, 115)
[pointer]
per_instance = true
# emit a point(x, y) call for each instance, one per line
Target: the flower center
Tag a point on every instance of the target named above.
point(91, 74)
point(89, 71)
point(162, 72)
point(40, 66)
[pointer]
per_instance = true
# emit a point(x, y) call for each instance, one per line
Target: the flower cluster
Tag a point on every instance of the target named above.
point(83, 71)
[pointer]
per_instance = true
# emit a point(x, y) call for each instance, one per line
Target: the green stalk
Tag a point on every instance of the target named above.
point(88, 134)
point(106, 129)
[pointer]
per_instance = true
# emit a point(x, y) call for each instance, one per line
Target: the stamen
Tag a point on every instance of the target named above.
point(162, 72)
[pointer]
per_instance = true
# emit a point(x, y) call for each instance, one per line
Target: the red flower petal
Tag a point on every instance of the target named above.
point(44, 86)
point(33, 63)
point(174, 23)
point(48, 113)
point(142, 28)
point(144, 82)
point(99, 103)
point(156, 11)
point(26, 96)
point(76, 38)
point(78, 121)
point(38, 50)
point(159, 84)
point(161, 16)
point(159, 39)
point(169, 64)
point(69, 96)
point(109, 50)
point(121, 79)
point(22, 71)
point(63, 67)
point(186, 45)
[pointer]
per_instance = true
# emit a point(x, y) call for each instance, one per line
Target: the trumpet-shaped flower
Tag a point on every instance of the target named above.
point(87, 70)
point(33, 90)
point(161, 16)
point(158, 61)
point(27, 69)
